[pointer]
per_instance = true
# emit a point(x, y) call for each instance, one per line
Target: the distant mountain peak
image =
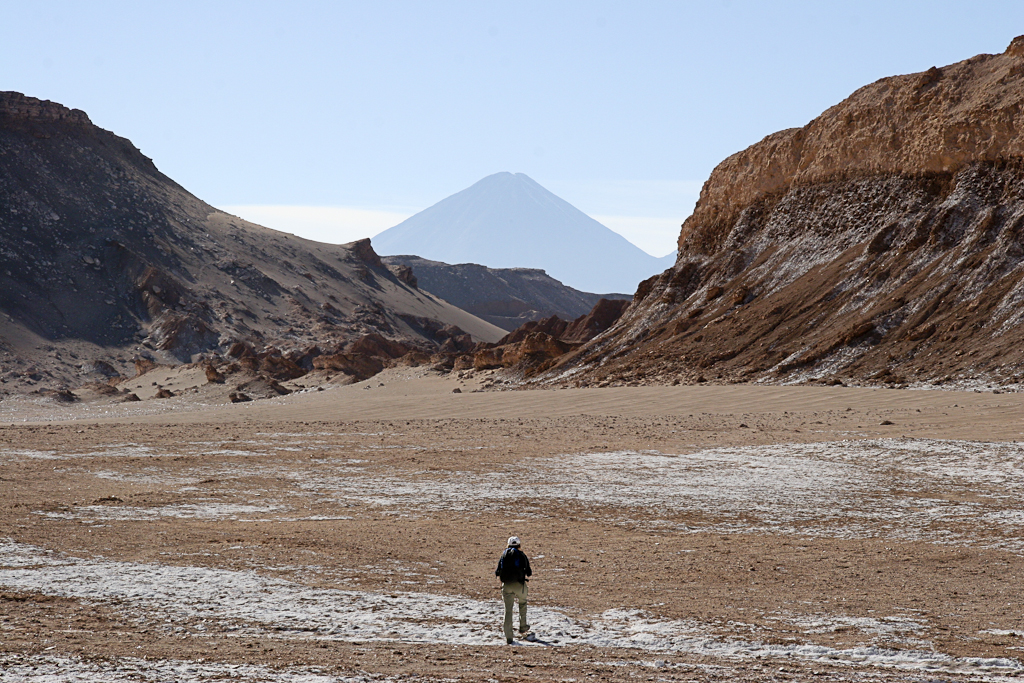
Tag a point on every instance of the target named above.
point(509, 220)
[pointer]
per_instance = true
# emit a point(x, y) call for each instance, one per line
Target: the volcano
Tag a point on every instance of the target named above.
point(507, 220)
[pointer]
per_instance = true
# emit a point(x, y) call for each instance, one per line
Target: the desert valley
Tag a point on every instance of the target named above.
point(797, 453)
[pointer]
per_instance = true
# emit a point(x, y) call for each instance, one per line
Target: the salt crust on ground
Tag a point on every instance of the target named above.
point(43, 669)
point(199, 599)
point(806, 489)
point(839, 489)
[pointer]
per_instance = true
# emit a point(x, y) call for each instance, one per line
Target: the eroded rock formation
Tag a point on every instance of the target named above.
point(537, 345)
point(883, 242)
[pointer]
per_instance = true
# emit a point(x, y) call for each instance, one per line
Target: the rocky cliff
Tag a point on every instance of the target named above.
point(882, 242)
point(104, 260)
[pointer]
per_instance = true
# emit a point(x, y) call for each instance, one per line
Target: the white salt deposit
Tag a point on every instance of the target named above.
point(202, 600)
point(183, 511)
point(56, 669)
point(148, 476)
point(955, 493)
point(246, 449)
point(887, 626)
point(950, 492)
point(911, 489)
point(24, 453)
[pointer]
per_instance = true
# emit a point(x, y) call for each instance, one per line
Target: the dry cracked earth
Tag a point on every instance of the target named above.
point(696, 534)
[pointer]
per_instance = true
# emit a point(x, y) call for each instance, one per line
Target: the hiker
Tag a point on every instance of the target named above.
point(513, 570)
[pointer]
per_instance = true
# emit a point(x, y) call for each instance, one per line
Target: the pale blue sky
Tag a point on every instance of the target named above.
point(368, 112)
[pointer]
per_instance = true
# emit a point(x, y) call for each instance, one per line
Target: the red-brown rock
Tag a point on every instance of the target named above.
point(604, 314)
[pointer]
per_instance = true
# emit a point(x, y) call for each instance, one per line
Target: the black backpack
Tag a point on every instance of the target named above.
point(512, 566)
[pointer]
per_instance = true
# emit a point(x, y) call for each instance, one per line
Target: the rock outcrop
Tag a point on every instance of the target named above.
point(537, 345)
point(23, 111)
point(881, 243)
point(603, 315)
point(935, 122)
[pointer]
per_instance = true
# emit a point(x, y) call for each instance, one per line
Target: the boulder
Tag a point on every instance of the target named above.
point(212, 374)
point(100, 367)
point(357, 366)
point(404, 274)
point(377, 346)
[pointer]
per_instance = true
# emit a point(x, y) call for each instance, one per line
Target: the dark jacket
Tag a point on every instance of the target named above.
point(514, 565)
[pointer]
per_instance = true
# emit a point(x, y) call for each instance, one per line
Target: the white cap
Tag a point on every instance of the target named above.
point(513, 542)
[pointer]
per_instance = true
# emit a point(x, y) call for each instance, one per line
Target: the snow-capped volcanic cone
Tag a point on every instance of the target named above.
point(507, 220)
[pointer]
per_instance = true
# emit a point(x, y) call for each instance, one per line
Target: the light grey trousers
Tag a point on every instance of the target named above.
point(510, 593)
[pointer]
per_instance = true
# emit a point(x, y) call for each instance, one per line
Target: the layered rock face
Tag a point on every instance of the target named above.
point(25, 112)
point(104, 258)
point(882, 242)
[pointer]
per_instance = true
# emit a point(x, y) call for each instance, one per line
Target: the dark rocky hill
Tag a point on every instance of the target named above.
point(104, 260)
point(506, 297)
point(881, 243)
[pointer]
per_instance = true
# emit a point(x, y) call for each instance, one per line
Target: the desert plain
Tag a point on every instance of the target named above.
point(677, 533)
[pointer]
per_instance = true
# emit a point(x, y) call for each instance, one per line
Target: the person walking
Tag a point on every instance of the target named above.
point(514, 570)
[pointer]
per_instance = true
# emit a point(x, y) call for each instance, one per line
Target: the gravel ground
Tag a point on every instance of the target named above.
point(752, 540)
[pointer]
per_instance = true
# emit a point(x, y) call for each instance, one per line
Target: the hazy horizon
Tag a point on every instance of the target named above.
point(342, 117)
point(342, 224)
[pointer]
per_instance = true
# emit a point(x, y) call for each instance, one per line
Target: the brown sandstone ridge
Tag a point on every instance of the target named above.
point(105, 261)
point(882, 242)
point(934, 122)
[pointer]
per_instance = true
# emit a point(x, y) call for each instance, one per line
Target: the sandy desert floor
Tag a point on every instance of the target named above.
point(676, 533)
